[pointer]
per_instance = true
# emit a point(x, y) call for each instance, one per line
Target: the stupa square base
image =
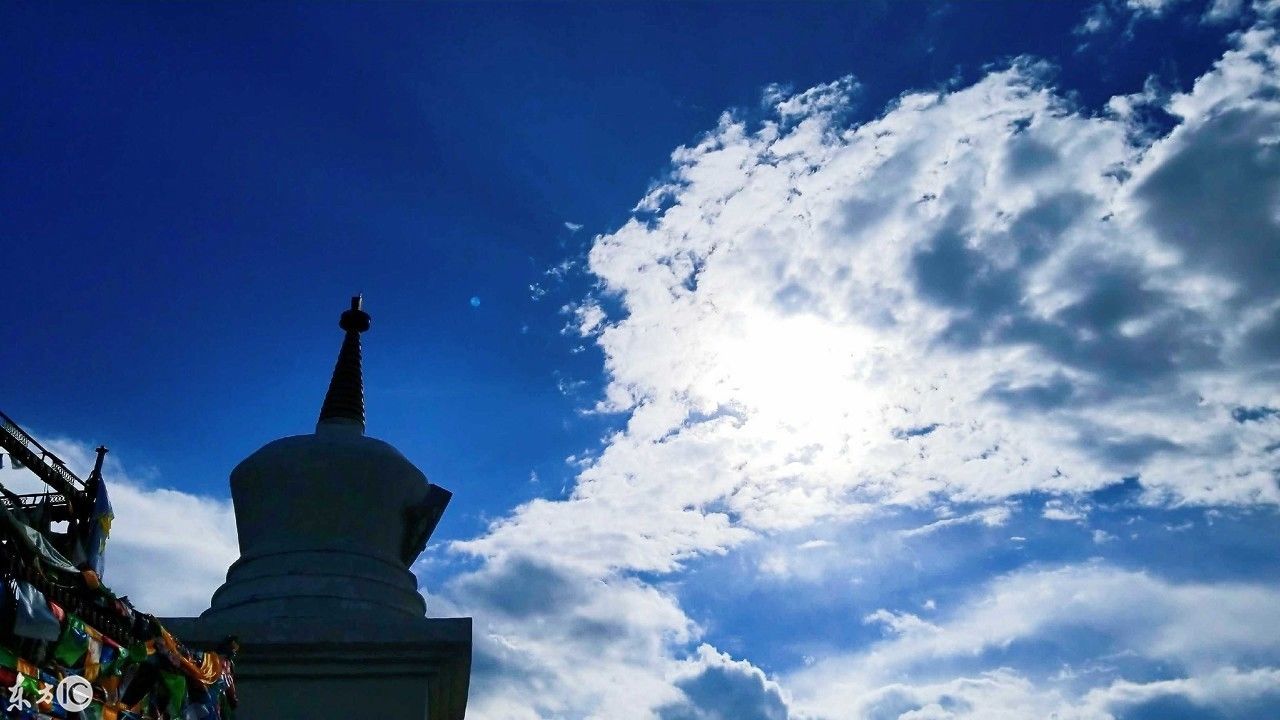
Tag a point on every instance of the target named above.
point(298, 670)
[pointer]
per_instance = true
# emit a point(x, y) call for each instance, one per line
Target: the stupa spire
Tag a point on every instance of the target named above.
point(344, 403)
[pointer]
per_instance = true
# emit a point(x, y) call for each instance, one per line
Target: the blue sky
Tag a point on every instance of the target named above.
point(796, 360)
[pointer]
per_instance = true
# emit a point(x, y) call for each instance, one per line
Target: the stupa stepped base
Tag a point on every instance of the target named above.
point(314, 669)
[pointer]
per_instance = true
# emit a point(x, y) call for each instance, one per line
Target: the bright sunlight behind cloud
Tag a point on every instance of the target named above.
point(982, 295)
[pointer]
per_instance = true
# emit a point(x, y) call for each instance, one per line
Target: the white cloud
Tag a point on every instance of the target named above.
point(1097, 19)
point(901, 623)
point(982, 293)
point(1004, 694)
point(1151, 7)
point(554, 642)
point(812, 280)
point(1223, 10)
point(1103, 14)
point(965, 297)
point(1057, 509)
point(1221, 689)
point(1197, 629)
point(988, 517)
point(717, 687)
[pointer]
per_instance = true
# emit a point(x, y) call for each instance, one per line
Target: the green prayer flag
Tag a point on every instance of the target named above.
point(177, 687)
point(74, 642)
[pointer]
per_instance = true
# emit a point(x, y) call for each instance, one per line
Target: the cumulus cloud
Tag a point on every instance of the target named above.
point(980, 294)
point(192, 537)
point(958, 667)
point(717, 687)
point(555, 642)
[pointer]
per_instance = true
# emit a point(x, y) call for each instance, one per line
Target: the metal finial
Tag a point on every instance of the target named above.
point(355, 319)
point(344, 403)
point(96, 474)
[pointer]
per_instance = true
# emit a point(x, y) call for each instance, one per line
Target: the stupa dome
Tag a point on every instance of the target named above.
point(329, 523)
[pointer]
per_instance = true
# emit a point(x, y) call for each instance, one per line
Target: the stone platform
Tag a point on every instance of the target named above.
point(290, 670)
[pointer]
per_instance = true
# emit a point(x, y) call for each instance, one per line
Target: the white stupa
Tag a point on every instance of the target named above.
point(328, 615)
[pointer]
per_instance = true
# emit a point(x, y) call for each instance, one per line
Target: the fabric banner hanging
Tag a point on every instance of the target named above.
point(32, 617)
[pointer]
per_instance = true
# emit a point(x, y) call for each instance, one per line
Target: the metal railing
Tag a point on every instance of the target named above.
point(48, 467)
